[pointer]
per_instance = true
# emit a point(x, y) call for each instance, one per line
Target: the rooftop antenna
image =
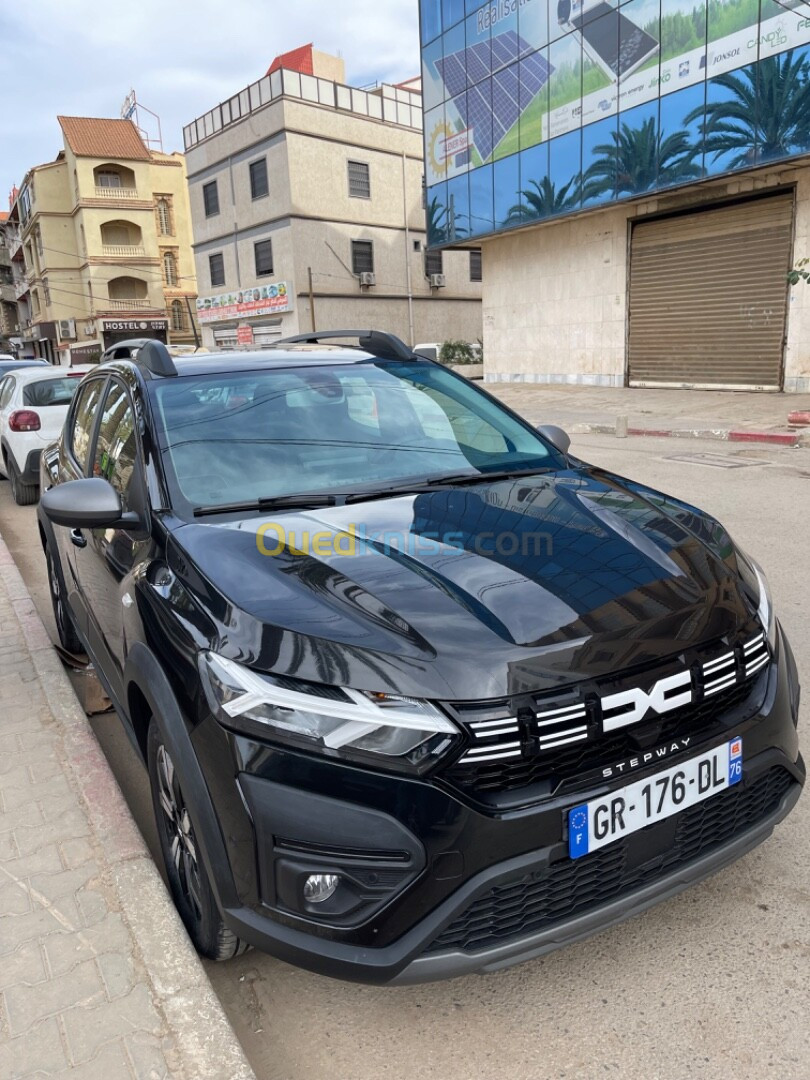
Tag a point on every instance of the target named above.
point(131, 110)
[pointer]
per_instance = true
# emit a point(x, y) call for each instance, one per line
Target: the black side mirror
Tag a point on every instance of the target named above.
point(87, 504)
point(556, 436)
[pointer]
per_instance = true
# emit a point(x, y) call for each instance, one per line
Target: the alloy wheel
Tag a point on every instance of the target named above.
point(179, 831)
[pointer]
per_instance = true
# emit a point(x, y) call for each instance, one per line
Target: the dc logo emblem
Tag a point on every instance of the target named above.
point(631, 706)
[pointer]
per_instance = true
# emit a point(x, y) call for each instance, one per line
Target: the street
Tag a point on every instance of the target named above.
point(710, 984)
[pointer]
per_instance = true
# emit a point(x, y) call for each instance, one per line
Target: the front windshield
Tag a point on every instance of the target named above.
point(240, 437)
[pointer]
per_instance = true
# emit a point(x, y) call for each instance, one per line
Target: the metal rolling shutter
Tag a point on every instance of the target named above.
point(708, 297)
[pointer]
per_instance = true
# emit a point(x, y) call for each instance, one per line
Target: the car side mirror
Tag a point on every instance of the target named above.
point(556, 436)
point(92, 503)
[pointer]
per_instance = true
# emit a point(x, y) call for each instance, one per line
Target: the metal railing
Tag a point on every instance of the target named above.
point(392, 104)
point(116, 193)
point(123, 250)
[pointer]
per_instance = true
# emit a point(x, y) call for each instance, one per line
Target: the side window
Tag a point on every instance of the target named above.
point(116, 443)
point(6, 391)
point(83, 419)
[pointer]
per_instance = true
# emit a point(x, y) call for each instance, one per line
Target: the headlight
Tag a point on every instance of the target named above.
point(754, 577)
point(380, 729)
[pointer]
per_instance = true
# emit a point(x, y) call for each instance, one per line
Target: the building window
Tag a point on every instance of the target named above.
point(475, 265)
point(263, 254)
point(178, 316)
point(359, 180)
point(46, 292)
point(362, 257)
point(258, 179)
point(434, 263)
point(40, 248)
point(107, 179)
point(216, 268)
point(169, 269)
point(164, 217)
point(211, 199)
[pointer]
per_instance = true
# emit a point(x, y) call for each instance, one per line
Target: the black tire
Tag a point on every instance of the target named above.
point(24, 494)
point(68, 637)
point(188, 879)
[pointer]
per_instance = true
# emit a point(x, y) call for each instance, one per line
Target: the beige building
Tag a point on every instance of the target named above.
point(308, 212)
point(8, 304)
point(101, 246)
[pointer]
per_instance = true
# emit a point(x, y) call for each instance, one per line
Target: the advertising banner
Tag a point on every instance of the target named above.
point(266, 300)
point(515, 73)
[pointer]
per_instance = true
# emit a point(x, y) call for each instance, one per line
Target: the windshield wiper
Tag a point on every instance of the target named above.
point(421, 487)
point(302, 501)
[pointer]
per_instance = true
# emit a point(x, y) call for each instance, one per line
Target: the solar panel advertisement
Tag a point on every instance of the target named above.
point(524, 96)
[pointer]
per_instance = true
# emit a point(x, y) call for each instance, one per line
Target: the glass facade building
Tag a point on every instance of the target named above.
point(536, 109)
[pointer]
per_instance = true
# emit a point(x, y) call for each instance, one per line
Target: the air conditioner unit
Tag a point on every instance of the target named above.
point(367, 279)
point(67, 329)
point(437, 281)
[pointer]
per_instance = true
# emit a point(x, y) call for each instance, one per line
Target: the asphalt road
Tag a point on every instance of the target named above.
point(714, 983)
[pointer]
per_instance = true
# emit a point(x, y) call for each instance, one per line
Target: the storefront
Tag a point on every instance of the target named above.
point(115, 330)
point(249, 319)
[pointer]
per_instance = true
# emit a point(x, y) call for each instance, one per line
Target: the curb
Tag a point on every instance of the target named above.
point(201, 1034)
point(775, 438)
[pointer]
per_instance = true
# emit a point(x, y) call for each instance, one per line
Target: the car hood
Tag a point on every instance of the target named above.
point(467, 592)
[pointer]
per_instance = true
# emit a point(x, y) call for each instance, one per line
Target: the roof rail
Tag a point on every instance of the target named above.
point(376, 342)
point(155, 357)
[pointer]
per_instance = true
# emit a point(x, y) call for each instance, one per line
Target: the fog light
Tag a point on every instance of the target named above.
point(319, 887)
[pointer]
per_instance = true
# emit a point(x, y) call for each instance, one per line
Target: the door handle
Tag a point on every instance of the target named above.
point(77, 538)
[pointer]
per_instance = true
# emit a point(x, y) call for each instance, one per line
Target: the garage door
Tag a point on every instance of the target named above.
point(708, 297)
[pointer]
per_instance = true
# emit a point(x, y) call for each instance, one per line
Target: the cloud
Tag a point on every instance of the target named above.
point(81, 57)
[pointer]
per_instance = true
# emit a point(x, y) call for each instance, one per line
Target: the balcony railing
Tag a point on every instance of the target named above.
point(14, 241)
point(123, 251)
point(125, 305)
point(116, 193)
point(21, 287)
point(7, 293)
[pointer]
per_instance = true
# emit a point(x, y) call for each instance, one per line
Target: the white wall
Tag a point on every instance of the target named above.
point(555, 295)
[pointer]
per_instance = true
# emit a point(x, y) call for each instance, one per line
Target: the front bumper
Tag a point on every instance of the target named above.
point(479, 891)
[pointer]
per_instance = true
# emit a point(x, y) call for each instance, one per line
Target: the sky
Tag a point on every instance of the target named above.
point(81, 58)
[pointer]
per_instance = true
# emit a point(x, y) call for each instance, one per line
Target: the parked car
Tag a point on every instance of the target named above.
point(9, 363)
point(419, 692)
point(33, 406)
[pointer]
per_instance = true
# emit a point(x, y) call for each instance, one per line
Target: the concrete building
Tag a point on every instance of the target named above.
point(101, 245)
point(8, 302)
point(307, 202)
point(638, 196)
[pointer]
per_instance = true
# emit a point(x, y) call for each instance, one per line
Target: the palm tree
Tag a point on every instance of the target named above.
point(639, 159)
point(439, 229)
point(768, 115)
point(545, 200)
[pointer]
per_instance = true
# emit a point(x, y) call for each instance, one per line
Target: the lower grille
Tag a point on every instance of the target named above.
point(570, 887)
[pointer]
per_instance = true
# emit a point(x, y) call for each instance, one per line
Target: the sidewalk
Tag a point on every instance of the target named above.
point(97, 976)
point(705, 414)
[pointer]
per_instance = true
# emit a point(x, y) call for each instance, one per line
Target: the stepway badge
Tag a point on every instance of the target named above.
point(578, 831)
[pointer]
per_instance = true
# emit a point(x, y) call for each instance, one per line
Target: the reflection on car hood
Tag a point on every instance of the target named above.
point(469, 592)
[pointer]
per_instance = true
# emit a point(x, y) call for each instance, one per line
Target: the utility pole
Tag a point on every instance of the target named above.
point(408, 280)
point(311, 300)
point(197, 341)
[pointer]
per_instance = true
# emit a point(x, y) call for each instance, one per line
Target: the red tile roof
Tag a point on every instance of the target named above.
point(100, 138)
point(3, 215)
point(296, 60)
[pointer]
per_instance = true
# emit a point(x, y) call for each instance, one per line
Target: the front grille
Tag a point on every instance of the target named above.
point(707, 718)
point(570, 887)
point(546, 745)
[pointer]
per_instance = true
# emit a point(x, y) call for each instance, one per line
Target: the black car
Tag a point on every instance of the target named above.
point(419, 692)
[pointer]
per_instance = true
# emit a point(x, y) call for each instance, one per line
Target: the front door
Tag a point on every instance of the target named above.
point(105, 564)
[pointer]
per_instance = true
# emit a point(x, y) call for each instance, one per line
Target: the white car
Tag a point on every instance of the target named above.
point(33, 405)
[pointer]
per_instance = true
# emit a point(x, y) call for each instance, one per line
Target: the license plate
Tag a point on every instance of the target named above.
point(603, 820)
